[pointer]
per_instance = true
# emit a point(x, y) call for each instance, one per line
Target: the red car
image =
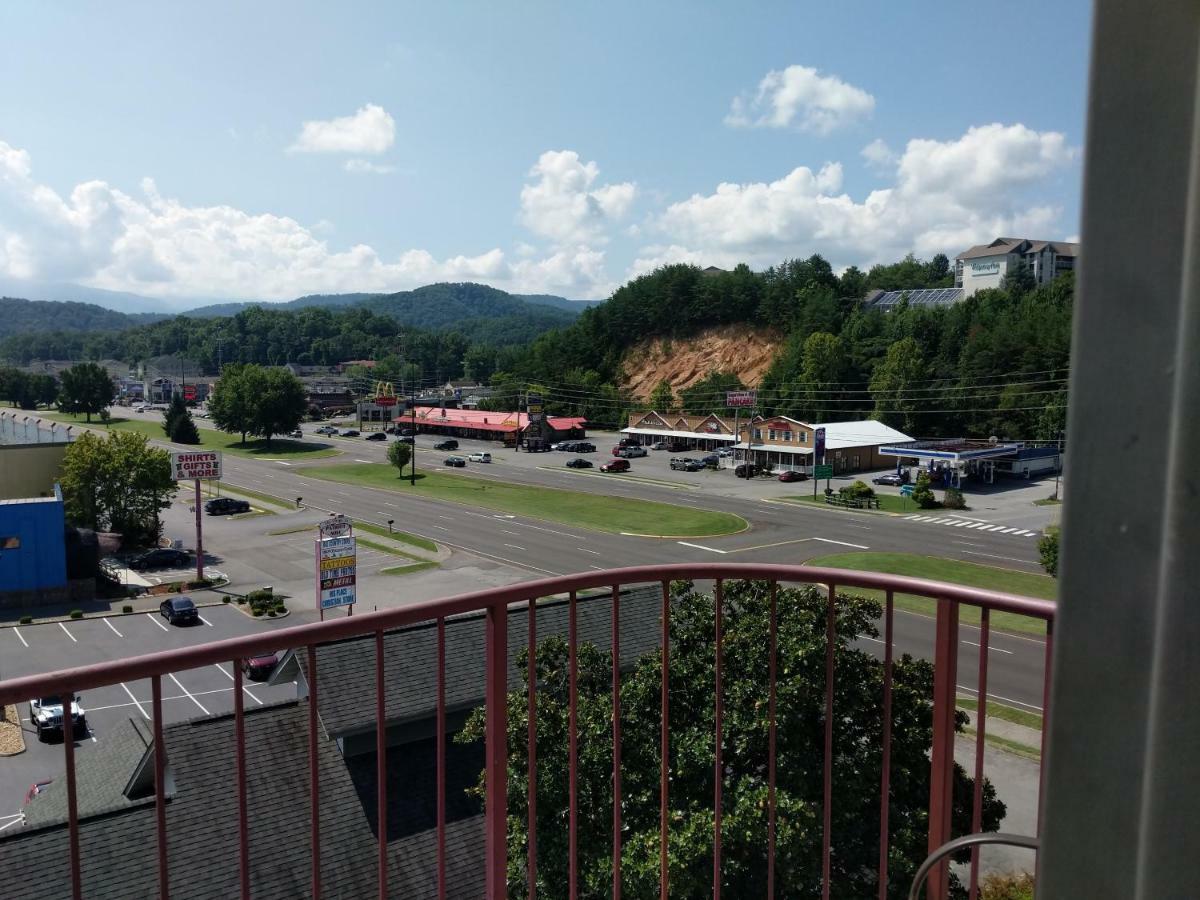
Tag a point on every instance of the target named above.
point(789, 475)
point(616, 465)
point(259, 668)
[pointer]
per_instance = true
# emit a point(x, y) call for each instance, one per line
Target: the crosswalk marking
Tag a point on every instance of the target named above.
point(973, 524)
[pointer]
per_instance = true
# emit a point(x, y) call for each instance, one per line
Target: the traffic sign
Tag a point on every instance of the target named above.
point(906, 490)
point(822, 471)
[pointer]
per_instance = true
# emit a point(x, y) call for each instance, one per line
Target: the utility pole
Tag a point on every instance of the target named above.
point(412, 464)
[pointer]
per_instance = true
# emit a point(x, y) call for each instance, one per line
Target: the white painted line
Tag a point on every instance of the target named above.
point(506, 531)
point(586, 550)
point(912, 517)
point(1008, 531)
point(995, 556)
point(515, 547)
point(67, 633)
point(447, 518)
point(841, 543)
point(975, 525)
point(597, 568)
point(188, 693)
point(20, 818)
point(153, 618)
point(968, 544)
point(958, 524)
point(994, 528)
point(440, 527)
point(941, 521)
point(991, 649)
point(863, 637)
point(1023, 533)
point(245, 689)
point(364, 460)
point(111, 626)
point(204, 620)
point(17, 632)
point(701, 547)
point(974, 692)
point(141, 708)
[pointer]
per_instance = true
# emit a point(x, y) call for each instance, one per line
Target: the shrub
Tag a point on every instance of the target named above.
point(256, 612)
point(260, 596)
point(1048, 550)
point(860, 490)
point(126, 608)
point(26, 620)
point(225, 599)
point(77, 614)
point(271, 613)
point(280, 608)
point(954, 499)
point(1006, 887)
point(923, 494)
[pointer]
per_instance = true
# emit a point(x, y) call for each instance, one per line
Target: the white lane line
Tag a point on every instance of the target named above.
point(442, 528)
point(991, 649)
point(245, 689)
point(974, 691)
point(204, 620)
point(111, 626)
point(841, 543)
point(476, 515)
point(188, 693)
point(701, 547)
point(153, 618)
point(995, 556)
point(863, 637)
point(67, 633)
point(968, 543)
point(597, 568)
point(141, 708)
point(586, 550)
point(17, 632)
point(515, 547)
point(302, 483)
point(448, 519)
point(380, 512)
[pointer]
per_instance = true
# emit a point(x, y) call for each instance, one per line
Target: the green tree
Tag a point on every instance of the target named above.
point(894, 383)
point(1018, 281)
point(178, 423)
point(14, 385)
point(119, 483)
point(923, 493)
point(823, 364)
point(233, 399)
point(399, 454)
point(858, 696)
point(85, 388)
point(279, 403)
point(662, 398)
point(1048, 550)
point(42, 391)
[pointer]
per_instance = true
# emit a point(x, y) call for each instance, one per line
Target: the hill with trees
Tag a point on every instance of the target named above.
point(19, 316)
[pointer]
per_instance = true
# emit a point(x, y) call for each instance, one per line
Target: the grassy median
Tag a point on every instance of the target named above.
point(955, 572)
point(595, 511)
point(150, 424)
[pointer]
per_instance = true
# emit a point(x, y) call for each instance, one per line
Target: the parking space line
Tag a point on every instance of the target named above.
point(189, 694)
point(104, 619)
point(204, 620)
point(20, 637)
point(515, 547)
point(67, 633)
point(136, 703)
point(229, 675)
point(18, 819)
point(153, 618)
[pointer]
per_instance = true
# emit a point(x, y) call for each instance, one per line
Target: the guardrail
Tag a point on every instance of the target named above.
point(495, 604)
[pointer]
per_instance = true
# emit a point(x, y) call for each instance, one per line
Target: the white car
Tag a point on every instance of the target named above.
point(46, 714)
point(480, 457)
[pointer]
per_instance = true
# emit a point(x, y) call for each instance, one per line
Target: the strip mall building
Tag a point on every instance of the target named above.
point(479, 424)
point(773, 442)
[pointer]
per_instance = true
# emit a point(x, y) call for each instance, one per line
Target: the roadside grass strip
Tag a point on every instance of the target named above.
point(953, 571)
point(1003, 711)
point(409, 569)
point(623, 476)
point(887, 503)
point(599, 512)
point(404, 537)
point(250, 494)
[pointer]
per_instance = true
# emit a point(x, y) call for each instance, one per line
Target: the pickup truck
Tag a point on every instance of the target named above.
point(46, 714)
point(631, 452)
point(686, 464)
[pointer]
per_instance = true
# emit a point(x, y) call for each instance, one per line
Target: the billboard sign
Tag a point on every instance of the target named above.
point(337, 567)
point(741, 398)
point(187, 465)
point(336, 526)
point(819, 445)
point(533, 406)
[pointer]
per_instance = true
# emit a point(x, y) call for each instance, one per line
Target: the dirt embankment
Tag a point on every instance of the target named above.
point(746, 352)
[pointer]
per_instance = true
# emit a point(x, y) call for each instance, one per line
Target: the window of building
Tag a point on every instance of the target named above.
point(803, 438)
point(786, 435)
point(771, 434)
point(758, 434)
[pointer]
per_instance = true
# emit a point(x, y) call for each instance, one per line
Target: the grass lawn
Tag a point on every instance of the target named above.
point(412, 540)
point(955, 572)
point(887, 502)
point(595, 511)
point(1048, 501)
point(409, 569)
point(1007, 713)
point(150, 424)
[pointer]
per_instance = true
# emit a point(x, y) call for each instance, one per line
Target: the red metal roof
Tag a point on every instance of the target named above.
point(485, 420)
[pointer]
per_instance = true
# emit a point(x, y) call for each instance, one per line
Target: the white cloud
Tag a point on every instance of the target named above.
point(563, 205)
point(366, 167)
point(801, 97)
point(370, 130)
point(151, 244)
point(879, 156)
point(947, 195)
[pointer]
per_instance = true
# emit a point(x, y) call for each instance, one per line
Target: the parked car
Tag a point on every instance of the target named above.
point(746, 470)
point(579, 463)
point(226, 506)
point(633, 451)
point(626, 442)
point(327, 430)
point(407, 439)
point(46, 714)
point(295, 433)
point(889, 478)
point(615, 465)
point(659, 445)
point(376, 436)
point(259, 668)
point(583, 447)
point(483, 457)
point(179, 611)
point(686, 464)
point(446, 445)
point(456, 462)
point(711, 460)
point(791, 475)
point(725, 451)
point(350, 432)
point(161, 558)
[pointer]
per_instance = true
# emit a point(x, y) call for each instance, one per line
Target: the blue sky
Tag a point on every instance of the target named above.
point(162, 148)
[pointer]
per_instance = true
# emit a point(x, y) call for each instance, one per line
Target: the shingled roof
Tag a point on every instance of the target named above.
point(346, 669)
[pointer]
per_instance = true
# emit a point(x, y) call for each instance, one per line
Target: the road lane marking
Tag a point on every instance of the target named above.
point(975, 525)
point(586, 550)
point(188, 693)
point(110, 625)
point(991, 649)
point(597, 568)
point(841, 543)
point(959, 524)
point(141, 708)
point(229, 675)
point(440, 527)
point(17, 632)
point(153, 618)
point(67, 633)
point(447, 518)
point(1008, 531)
point(515, 547)
point(204, 620)
point(968, 543)
point(1027, 562)
point(974, 692)
point(506, 531)
point(701, 547)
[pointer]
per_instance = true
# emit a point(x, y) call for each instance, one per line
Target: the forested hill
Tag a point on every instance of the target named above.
point(19, 316)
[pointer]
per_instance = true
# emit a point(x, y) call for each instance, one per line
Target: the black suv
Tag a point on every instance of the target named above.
point(746, 470)
point(446, 445)
point(179, 611)
point(583, 447)
point(226, 506)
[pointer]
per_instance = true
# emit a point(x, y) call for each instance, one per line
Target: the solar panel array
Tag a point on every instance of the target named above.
point(922, 297)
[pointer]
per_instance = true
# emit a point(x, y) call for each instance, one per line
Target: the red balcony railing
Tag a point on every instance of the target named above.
point(497, 605)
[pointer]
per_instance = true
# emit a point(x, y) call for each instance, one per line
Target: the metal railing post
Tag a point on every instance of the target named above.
point(941, 778)
point(496, 751)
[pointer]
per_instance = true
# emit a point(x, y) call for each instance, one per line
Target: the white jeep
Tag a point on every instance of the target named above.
point(46, 714)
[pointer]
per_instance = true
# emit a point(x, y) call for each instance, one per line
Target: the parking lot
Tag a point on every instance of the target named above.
point(29, 649)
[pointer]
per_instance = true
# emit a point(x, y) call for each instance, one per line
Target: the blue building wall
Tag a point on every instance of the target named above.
point(32, 544)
